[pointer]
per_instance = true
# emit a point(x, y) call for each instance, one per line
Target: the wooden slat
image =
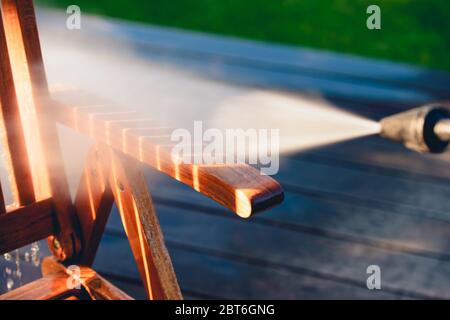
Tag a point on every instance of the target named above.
point(293, 251)
point(371, 188)
point(50, 266)
point(384, 158)
point(46, 288)
point(48, 172)
point(24, 225)
point(101, 289)
point(341, 218)
point(221, 278)
point(54, 285)
point(141, 225)
point(240, 187)
point(14, 140)
point(97, 287)
point(160, 48)
point(93, 202)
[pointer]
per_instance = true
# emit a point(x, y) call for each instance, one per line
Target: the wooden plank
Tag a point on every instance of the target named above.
point(373, 154)
point(25, 225)
point(14, 140)
point(326, 205)
point(97, 287)
point(93, 202)
point(379, 155)
point(217, 277)
point(328, 88)
point(239, 187)
point(366, 187)
point(349, 93)
point(134, 288)
point(46, 288)
point(54, 285)
point(333, 219)
point(141, 225)
point(49, 178)
point(386, 157)
point(293, 250)
point(100, 289)
point(48, 267)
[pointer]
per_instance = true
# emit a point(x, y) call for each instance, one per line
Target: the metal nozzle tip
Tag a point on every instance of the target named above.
point(415, 128)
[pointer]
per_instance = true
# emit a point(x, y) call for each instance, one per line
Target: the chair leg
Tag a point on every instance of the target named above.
point(141, 226)
point(93, 203)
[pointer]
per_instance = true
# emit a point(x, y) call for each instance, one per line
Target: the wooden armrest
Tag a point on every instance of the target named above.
point(240, 187)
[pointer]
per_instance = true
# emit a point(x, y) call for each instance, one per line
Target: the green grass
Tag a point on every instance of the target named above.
point(413, 31)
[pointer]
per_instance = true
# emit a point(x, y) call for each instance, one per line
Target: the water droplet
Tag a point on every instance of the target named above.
point(34, 247)
point(9, 284)
point(18, 274)
point(36, 261)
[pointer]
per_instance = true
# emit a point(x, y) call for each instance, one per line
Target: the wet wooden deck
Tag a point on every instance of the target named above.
point(348, 205)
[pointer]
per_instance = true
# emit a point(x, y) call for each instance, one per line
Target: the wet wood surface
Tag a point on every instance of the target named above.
point(238, 187)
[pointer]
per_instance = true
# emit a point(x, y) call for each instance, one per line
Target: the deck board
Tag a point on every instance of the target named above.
point(217, 275)
point(263, 246)
point(334, 218)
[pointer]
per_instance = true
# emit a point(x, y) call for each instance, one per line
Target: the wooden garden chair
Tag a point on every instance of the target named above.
point(42, 204)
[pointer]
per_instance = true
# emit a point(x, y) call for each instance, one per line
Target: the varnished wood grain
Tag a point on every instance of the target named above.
point(14, 140)
point(55, 285)
point(239, 187)
point(48, 173)
point(96, 286)
point(93, 202)
point(141, 224)
point(24, 225)
point(50, 266)
point(101, 289)
point(46, 288)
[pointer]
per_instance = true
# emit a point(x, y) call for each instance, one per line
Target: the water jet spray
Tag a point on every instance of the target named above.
point(423, 129)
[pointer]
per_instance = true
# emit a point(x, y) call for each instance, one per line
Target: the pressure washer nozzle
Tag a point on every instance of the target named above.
point(423, 129)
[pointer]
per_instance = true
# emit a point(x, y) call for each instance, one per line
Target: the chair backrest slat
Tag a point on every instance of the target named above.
point(26, 70)
point(14, 140)
point(24, 225)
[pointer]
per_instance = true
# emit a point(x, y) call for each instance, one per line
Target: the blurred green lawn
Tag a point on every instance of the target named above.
point(413, 31)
